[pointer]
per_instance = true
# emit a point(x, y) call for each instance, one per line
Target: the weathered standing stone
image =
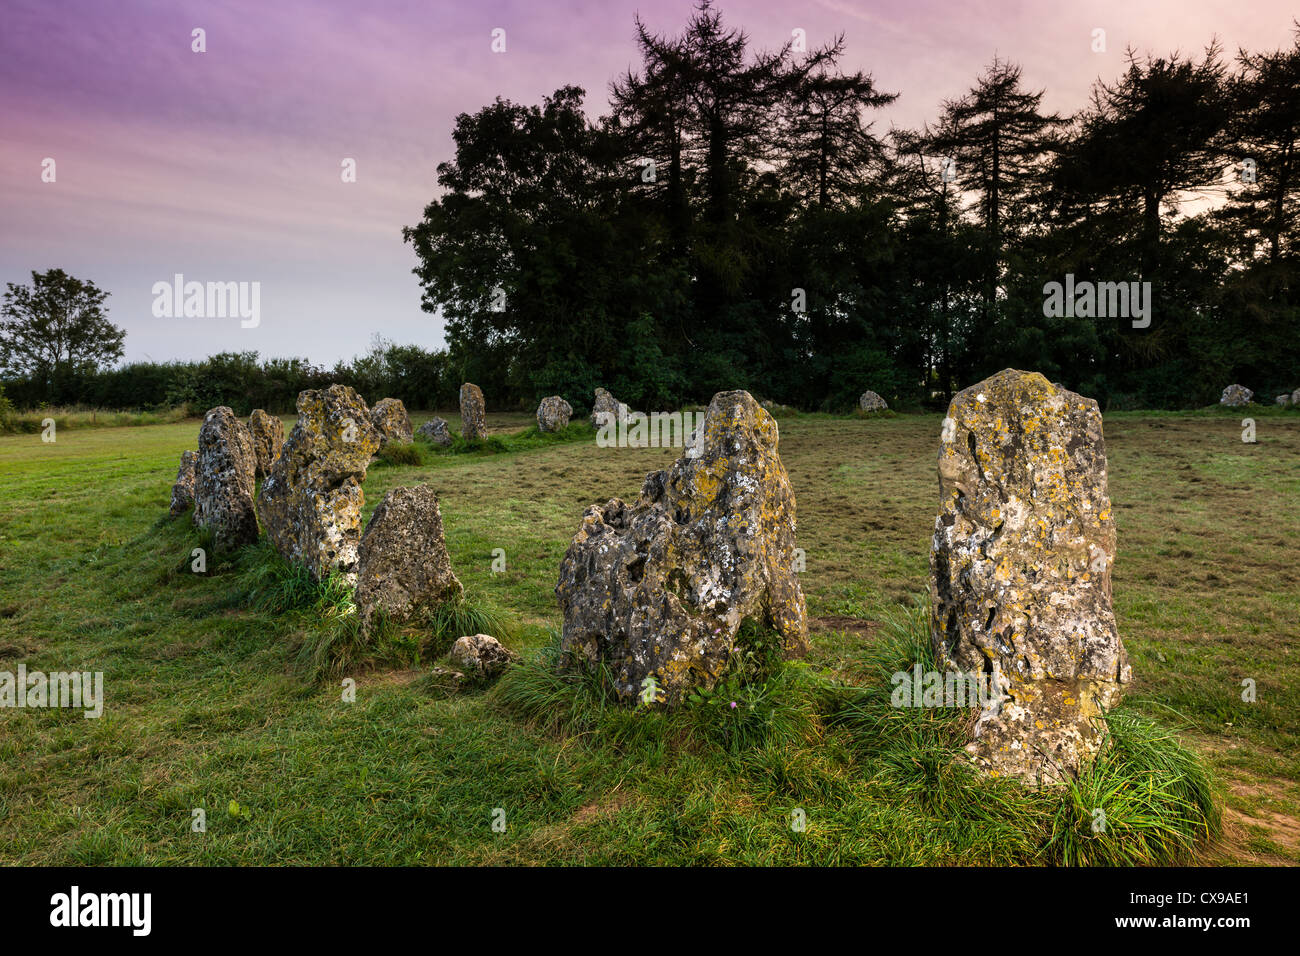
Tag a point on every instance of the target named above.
point(268, 437)
point(473, 412)
point(403, 570)
point(310, 504)
point(871, 402)
point(1283, 400)
point(436, 432)
point(481, 655)
point(224, 479)
point(607, 410)
point(388, 416)
point(1295, 397)
point(1235, 396)
point(183, 489)
point(660, 589)
point(553, 414)
point(1020, 568)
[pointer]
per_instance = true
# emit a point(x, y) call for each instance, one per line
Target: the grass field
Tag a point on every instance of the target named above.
point(208, 708)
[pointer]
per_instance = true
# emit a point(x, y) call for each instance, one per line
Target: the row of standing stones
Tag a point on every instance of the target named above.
point(1020, 560)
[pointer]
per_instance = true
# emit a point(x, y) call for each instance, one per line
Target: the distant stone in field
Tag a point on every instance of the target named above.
point(268, 436)
point(607, 410)
point(403, 570)
point(1235, 396)
point(660, 589)
point(389, 418)
point(473, 412)
point(481, 655)
point(553, 414)
point(436, 432)
point(1283, 400)
point(871, 402)
point(1020, 570)
point(224, 472)
point(310, 503)
point(183, 489)
point(1295, 397)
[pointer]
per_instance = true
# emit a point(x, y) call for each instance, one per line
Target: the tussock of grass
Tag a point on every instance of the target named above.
point(402, 453)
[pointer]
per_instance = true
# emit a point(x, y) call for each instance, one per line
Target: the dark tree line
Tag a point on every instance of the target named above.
point(736, 221)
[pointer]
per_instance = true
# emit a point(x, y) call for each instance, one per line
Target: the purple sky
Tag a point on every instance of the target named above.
point(225, 165)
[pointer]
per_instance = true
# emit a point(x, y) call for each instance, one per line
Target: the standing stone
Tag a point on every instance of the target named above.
point(183, 489)
point(607, 410)
point(310, 504)
point(224, 478)
point(268, 437)
point(1020, 570)
point(1295, 397)
point(389, 418)
point(553, 414)
point(403, 570)
point(473, 412)
point(661, 588)
point(1235, 396)
point(1283, 400)
point(871, 402)
point(436, 432)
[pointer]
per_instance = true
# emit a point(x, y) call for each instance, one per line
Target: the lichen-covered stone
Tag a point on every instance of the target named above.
point(268, 437)
point(481, 655)
point(310, 503)
point(1235, 396)
point(403, 570)
point(1020, 568)
point(871, 402)
point(553, 414)
point(183, 489)
point(607, 410)
point(224, 479)
point(389, 418)
point(436, 432)
point(661, 588)
point(473, 412)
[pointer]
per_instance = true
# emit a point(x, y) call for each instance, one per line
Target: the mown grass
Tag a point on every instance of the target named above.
point(209, 697)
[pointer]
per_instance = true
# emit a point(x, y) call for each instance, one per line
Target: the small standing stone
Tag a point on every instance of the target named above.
point(388, 416)
point(268, 437)
point(1235, 396)
point(553, 414)
point(871, 402)
point(473, 412)
point(436, 432)
point(224, 478)
point(481, 655)
point(183, 489)
point(607, 410)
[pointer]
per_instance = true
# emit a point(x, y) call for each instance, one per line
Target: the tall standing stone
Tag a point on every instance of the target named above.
point(268, 437)
point(403, 569)
point(660, 589)
point(473, 412)
point(224, 480)
point(310, 504)
point(1020, 568)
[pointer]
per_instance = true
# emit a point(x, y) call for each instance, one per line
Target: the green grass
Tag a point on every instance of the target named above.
point(33, 421)
point(227, 686)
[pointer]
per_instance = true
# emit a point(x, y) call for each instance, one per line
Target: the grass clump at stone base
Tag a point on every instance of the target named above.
point(328, 626)
point(869, 782)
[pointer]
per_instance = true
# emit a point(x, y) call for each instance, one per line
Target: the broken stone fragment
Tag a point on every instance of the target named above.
point(473, 412)
point(659, 590)
point(310, 503)
point(224, 480)
point(268, 437)
point(403, 569)
point(481, 656)
point(1020, 571)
